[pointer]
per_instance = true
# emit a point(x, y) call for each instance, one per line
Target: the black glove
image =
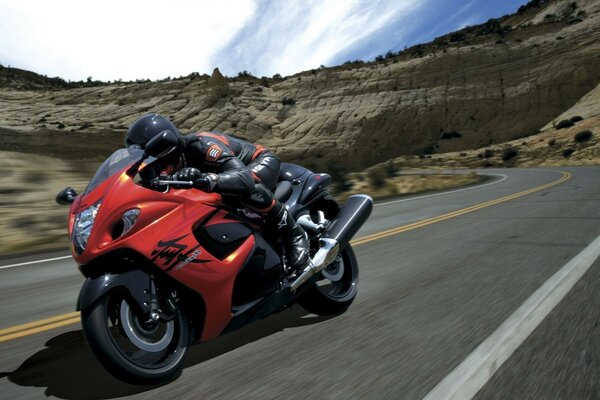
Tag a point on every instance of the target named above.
point(187, 174)
point(206, 182)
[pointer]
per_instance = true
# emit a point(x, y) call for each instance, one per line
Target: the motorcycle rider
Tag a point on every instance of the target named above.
point(230, 166)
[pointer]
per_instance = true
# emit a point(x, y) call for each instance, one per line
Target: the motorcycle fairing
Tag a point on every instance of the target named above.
point(184, 233)
point(172, 231)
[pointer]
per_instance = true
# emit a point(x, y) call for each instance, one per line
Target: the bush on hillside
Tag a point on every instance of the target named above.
point(457, 36)
point(583, 136)
point(245, 74)
point(430, 149)
point(391, 169)
point(509, 153)
point(565, 123)
point(450, 135)
point(376, 178)
point(567, 152)
point(531, 4)
point(488, 153)
point(339, 176)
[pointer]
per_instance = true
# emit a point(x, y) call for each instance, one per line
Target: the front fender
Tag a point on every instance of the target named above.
point(135, 282)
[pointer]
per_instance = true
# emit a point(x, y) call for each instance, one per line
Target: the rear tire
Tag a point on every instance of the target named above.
point(337, 288)
point(128, 346)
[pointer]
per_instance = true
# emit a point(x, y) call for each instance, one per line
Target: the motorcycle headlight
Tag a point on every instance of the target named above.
point(84, 221)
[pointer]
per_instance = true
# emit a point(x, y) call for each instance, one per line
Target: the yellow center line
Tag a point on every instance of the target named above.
point(73, 318)
point(38, 326)
point(394, 231)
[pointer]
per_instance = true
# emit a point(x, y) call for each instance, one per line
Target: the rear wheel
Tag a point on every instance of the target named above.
point(336, 289)
point(132, 346)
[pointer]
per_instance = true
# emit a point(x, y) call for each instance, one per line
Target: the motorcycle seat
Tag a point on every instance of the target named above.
point(283, 190)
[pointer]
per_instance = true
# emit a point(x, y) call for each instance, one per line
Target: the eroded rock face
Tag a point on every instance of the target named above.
point(486, 88)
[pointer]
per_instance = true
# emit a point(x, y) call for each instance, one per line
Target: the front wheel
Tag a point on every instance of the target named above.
point(130, 345)
point(336, 289)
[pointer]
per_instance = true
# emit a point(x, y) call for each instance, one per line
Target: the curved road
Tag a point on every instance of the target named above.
point(444, 277)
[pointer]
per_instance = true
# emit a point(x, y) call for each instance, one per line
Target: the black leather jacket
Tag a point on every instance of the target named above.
point(223, 155)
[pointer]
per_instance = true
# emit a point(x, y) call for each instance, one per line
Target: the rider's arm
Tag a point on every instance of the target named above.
point(232, 175)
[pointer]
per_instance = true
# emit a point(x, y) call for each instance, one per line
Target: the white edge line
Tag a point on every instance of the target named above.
point(473, 373)
point(34, 262)
point(443, 193)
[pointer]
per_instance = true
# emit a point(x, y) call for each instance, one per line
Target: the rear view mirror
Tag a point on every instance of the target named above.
point(162, 144)
point(66, 196)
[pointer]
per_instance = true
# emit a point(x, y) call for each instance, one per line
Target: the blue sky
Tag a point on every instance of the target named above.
point(137, 39)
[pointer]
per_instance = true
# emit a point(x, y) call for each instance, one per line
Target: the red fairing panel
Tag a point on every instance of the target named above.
point(163, 234)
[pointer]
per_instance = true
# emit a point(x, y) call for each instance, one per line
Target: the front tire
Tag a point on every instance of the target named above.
point(129, 346)
point(337, 288)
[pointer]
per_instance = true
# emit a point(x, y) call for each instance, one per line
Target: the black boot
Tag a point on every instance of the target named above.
point(295, 239)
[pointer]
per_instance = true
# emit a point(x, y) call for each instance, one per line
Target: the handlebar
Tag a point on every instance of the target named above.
point(160, 184)
point(167, 180)
point(172, 182)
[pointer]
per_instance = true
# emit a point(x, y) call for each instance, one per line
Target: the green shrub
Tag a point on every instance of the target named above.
point(355, 62)
point(430, 149)
point(450, 135)
point(488, 153)
point(551, 142)
point(417, 51)
point(376, 178)
point(565, 123)
point(509, 153)
point(576, 118)
point(457, 36)
point(583, 136)
point(245, 74)
point(567, 152)
point(288, 101)
point(339, 176)
point(532, 4)
point(391, 169)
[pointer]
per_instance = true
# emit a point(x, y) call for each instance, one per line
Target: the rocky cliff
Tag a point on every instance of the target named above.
point(482, 85)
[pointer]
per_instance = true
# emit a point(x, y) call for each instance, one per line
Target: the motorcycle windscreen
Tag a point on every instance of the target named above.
point(113, 164)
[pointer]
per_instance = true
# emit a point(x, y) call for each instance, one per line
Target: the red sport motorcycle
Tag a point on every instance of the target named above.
point(168, 267)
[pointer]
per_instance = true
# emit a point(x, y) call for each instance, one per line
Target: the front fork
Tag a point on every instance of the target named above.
point(141, 288)
point(170, 303)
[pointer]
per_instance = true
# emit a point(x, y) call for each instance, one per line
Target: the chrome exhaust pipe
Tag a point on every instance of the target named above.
point(337, 235)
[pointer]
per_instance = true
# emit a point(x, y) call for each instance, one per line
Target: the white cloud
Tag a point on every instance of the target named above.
point(130, 39)
point(113, 39)
point(305, 34)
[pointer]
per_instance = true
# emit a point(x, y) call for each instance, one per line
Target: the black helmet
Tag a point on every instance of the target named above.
point(146, 127)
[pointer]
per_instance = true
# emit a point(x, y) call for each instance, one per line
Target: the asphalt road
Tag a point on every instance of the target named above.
point(429, 295)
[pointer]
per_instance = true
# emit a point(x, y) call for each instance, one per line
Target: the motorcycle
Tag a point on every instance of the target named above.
point(168, 265)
